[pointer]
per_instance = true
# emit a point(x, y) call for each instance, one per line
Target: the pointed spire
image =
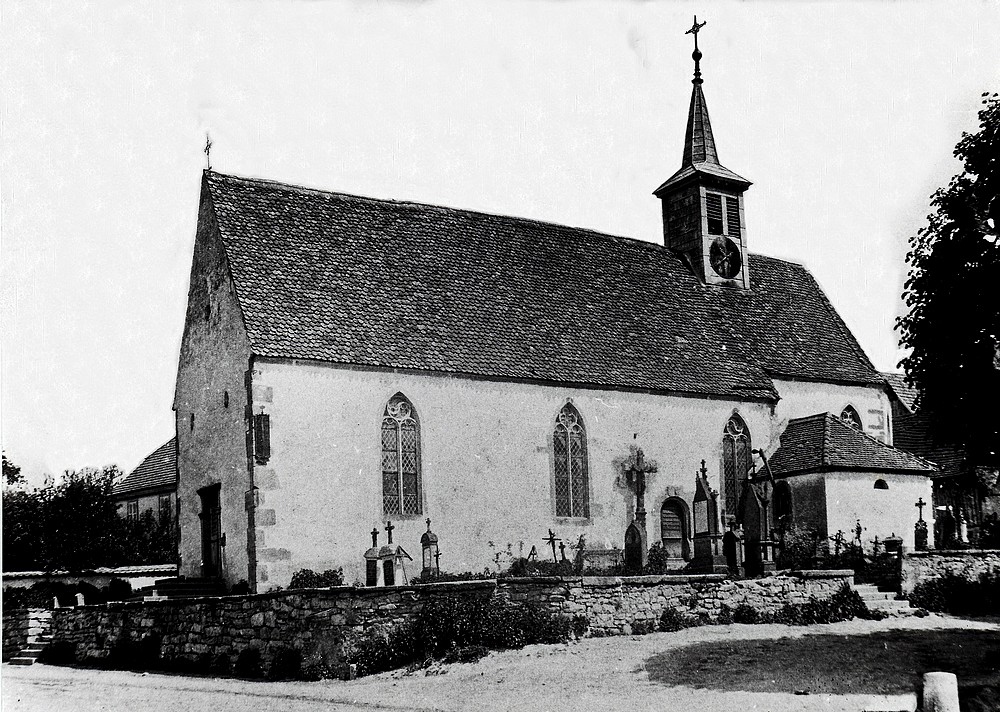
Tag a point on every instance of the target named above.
point(699, 144)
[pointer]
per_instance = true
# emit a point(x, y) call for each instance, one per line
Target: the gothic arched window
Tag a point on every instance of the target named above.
point(572, 482)
point(736, 461)
point(400, 457)
point(850, 416)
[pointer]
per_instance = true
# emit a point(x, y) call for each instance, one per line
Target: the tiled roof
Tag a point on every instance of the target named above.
point(906, 393)
point(380, 283)
point(823, 443)
point(158, 470)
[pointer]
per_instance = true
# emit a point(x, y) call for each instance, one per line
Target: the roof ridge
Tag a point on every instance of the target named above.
point(875, 440)
point(824, 454)
point(436, 206)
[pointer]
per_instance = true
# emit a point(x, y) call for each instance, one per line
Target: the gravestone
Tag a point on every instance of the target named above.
point(708, 556)
point(636, 551)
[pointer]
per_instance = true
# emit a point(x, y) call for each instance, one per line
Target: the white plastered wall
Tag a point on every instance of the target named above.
point(852, 497)
point(801, 398)
point(487, 471)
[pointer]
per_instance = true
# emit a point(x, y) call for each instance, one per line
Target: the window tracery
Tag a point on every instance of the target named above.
point(736, 461)
point(571, 476)
point(400, 458)
point(850, 416)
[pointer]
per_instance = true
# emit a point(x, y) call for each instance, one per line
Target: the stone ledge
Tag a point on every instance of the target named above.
point(950, 552)
point(822, 573)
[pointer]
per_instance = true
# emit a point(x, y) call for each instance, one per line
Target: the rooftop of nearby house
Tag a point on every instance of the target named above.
point(157, 472)
point(906, 393)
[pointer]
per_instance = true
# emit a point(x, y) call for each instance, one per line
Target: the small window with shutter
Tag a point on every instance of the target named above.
point(713, 209)
point(262, 438)
point(732, 216)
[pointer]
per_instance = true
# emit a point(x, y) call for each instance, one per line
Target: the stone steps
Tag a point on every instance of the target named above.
point(38, 639)
point(886, 601)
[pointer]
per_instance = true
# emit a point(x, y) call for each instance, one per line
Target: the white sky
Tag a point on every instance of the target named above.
point(843, 115)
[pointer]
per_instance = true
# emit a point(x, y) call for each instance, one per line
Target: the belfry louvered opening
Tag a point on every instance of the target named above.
point(732, 216)
point(713, 210)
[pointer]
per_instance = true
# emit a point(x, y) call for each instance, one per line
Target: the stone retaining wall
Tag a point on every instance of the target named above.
point(318, 622)
point(920, 566)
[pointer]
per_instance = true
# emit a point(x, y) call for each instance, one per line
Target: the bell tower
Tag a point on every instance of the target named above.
point(703, 201)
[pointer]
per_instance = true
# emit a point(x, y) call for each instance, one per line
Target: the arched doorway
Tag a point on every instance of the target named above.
point(674, 528)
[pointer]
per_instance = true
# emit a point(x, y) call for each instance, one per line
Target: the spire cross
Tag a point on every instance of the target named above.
point(695, 29)
point(208, 149)
point(388, 530)
point(696, 55)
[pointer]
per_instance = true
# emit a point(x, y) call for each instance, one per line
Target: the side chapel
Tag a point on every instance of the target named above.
point(350, 361)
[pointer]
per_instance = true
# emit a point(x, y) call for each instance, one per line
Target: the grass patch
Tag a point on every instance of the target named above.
point(884, 662)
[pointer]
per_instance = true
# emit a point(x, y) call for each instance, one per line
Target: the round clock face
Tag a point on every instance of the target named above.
point(724, 256)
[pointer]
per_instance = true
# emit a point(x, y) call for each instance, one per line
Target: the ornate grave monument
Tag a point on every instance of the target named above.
point(708, 556)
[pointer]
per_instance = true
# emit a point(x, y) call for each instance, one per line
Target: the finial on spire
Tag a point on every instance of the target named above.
point(208, 151)
point(696, 55)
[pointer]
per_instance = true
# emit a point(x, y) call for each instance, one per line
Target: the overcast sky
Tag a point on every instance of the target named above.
point(843, 115)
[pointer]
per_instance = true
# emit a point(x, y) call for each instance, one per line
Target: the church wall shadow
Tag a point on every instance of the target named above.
point(883, 662)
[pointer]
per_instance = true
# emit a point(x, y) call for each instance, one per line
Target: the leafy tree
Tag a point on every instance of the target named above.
point(953, 323)
point(11, 472)
point(74, 524)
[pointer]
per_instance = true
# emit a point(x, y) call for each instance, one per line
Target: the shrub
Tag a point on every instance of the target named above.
point(843, 605)
point(672, 620)
point(579, 625)
point(307, 578)
point(528, 567)
point(659, 559)
point(119, 589)
point(450, 623)
point(798, 548)
point(468, 654)
point(315, 668)
point(444, 576)
point(746, 614)
point(642, 626)
point(954, 593)
point(379, 649)
point(221, 665)
point(147, 653)
point(725, 616)
point(286, 665)
point(248, 664)
point(60, 652)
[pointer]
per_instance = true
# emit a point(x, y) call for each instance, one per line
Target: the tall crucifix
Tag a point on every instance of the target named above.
point(920, 504)
point(208, 152)
point(388, 530)
point(696, 55)
point(636, 477)
point(551, 539)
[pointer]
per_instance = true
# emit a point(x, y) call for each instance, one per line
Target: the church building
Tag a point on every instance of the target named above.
point(349, 362)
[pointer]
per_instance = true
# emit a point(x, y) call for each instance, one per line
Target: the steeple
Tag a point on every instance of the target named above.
point(703, 201)
point(699, 144)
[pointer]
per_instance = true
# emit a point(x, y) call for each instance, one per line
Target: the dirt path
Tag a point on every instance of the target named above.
point(593, 674)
